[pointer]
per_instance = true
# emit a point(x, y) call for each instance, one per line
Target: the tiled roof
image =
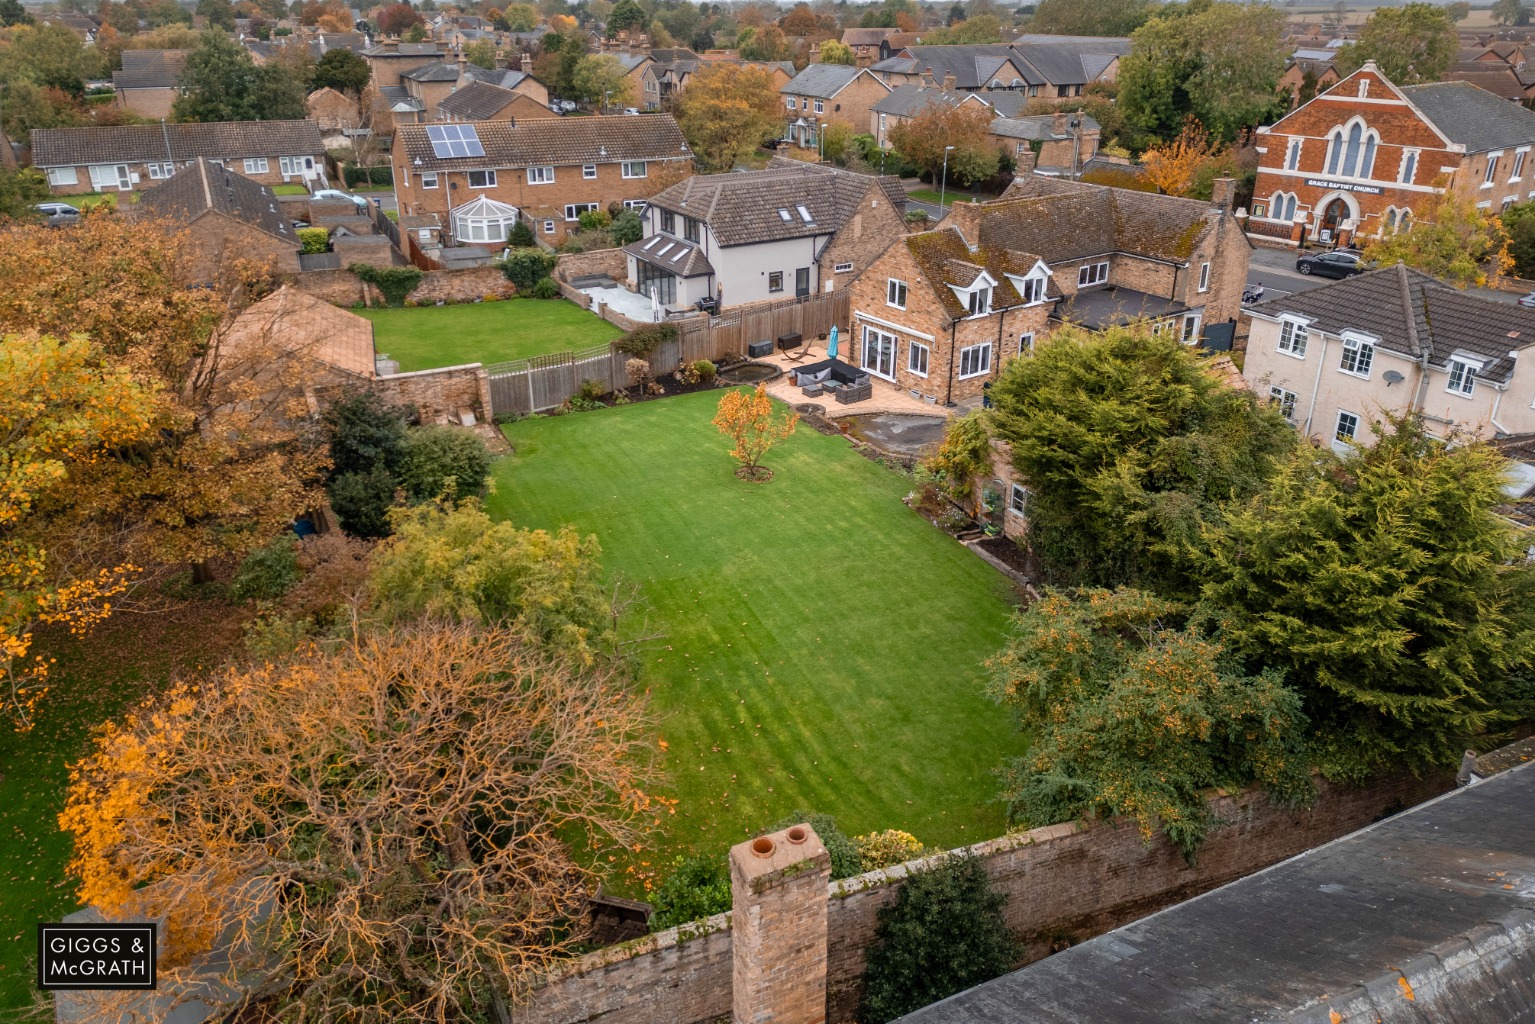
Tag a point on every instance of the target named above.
point(294, 322)
point(136, 143)
point(674, 255)
point(476, 101)
point(743, 208)
point(404, 50)
point(436, 71)
point(822, 80)
point(1117, 45)
point(630, 61)
point(1411, 312)
point(202, 187)
point(865, 36)
point(570, 140)
point(946, 260)
point(150, 69)
point(673, 54)
point(1064, 220)
point(1471, 116)
point(1100, 308)
point(1058, 65)
point(1495, 77)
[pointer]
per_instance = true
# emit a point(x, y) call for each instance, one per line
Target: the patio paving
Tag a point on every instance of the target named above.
point(886, 397)
point(630, 304)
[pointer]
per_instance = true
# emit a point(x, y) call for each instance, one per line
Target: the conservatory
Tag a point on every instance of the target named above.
point(483, 220)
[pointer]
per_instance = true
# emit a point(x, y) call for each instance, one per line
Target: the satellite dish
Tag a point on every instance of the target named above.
point(1392, 377)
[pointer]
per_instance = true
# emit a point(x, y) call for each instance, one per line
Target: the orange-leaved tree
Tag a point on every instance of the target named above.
point(406, 828)
point(749, 421)
point(60, 410)
point(1173, 167)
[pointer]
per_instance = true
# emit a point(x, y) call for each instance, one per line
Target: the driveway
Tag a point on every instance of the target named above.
point(1275, 270)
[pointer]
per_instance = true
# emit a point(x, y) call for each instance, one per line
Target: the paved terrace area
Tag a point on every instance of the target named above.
point(886, 397)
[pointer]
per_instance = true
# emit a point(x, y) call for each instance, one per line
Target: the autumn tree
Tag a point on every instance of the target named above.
point(726, 112)
point(1130, 714)
point(963, 458)
point(396, 19)
point(600, 79)
point(751, 422)
point(1130, 444)
point(520, 17)
point(834, 52)
point(1173, 167)
point(20, 191)
point(219, 14)
point(61, 408)
point(1219, 62)
point(1456, 241)
point(481, 53)
point(922, 142)
point(1387, 587)
point(408, 826)
point(768, 43)
point(1411, 44)
point(984, 28)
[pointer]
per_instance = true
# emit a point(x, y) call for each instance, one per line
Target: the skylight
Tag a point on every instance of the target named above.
point(804, 214)
point(784, 216)
point(665, 249)
point(451, 140)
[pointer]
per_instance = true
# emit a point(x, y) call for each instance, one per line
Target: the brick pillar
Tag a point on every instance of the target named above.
point(778, 928)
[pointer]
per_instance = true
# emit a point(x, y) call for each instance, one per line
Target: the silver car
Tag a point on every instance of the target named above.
point(57, 215)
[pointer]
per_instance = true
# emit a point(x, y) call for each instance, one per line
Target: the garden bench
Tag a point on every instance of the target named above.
point(847, 394)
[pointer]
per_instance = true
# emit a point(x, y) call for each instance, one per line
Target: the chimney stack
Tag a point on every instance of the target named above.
point(1024, 164)
point(1058, 123)
point(1223, 193)
point(927, 78)
point(948, 81)
point(778, 928)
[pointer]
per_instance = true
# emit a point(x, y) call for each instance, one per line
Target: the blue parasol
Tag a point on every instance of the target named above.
point(831, 343)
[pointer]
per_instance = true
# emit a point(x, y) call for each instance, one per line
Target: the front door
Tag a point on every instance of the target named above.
point(802, 281)
point(878, 355)
point(1333, 217)
point(109, 177)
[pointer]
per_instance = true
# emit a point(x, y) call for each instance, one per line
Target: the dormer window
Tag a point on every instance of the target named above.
point(1033, 290)
point(980, 301)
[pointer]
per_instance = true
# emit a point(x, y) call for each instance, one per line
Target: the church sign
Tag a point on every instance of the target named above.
point(1345, 186)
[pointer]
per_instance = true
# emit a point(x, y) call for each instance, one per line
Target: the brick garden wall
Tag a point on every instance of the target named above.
point(1065, 884)
point(440, 392)
point(343, 288)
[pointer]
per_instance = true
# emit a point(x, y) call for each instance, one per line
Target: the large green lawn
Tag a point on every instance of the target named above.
point(823, 644)
point(484, 332)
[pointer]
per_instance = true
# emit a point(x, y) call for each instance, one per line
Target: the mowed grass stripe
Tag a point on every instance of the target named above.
point(824, 638)
point(425, 337)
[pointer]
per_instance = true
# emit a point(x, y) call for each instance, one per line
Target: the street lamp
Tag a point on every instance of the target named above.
point(943, 188)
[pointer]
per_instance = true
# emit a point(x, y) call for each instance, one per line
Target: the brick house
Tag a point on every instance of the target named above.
point(1059, 69)
point(124, 158)
point(1366, 155)
point(481, 101)
point(148, 82)
point(1394, 340)
point(1058, 143)
point(828, 93)
point(939, 313)
point(426, 86)
point(226, 215)
point(1320, 66)
point(544, 172)
point(794, 229)
point(333, 110)
point(905, 102)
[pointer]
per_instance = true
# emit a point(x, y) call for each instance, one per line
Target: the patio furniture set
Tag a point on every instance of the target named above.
point(847, 384)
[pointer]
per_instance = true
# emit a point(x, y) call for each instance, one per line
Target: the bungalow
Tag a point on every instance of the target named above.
point(824, 93)
point(794, 229)
point(226, 215)
point(123, 158)
point(1336, 358)
point(938, 313)
point(481, 178)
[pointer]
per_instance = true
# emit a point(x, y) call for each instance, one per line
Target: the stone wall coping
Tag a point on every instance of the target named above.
point(653, 943)
point(434, 370)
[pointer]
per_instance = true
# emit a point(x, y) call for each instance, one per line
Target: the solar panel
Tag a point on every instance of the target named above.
point(454, 140)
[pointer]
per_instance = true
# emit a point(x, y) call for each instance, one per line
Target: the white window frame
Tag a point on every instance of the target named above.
point(429, 180)
point(636, 204)
point(548, 227)
point(1492, 168)
point(1090, 274)
point(1018, 500)
point(978, 301)
point(541, 175)
point(487, 178)
point(792, 105)
point(1517, 172)
point(979, 358)
point(1192, 322)
point(257, 165)
point(1204, 277)
point(772, 274)
point(842, 268)
point(573, 211)
point(1033, 291)
point(880, 339)
point(1292, 154)
point(820, 106)
point(628, 167)
point(895, 287)
point(293, 166)
point(161, 171)
point(914, 349)
point(1338, 440)
point(1409, 167)
point(61, 176)
point(589, 171)
point(1285, 400)
point(1025, 342)
point(1466, 370)
point(1361, 351)
point(1293, 336)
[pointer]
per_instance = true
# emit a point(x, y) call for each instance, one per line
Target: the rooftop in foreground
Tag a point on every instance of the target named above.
point(1425, 916)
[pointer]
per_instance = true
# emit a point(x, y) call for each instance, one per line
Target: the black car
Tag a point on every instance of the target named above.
point(1340, 263)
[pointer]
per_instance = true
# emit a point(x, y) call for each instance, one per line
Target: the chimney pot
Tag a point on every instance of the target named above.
point(778, 928)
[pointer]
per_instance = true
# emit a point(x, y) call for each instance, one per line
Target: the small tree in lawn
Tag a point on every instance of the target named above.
point(748, 420)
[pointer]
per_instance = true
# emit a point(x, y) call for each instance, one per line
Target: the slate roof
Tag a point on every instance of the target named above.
point(742, 208)
point(911, 99)
point(1063, 221)
point(137, 143)
point(571, 140)
point(683, 258)
point(1411, 312)
point(1472, 116)
point(945, 259)
point(1422, 916)
point(150, 69)
point(476, 101)
point(404, 50)
point(630, 61)
point(821, 80)
point(1036, 126)
point(1116, 45)
point(1100, 308)
point(436, 71)
point(202, 187)
point(399, 99)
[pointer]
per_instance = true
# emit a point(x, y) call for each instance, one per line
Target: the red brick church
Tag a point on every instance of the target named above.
point(1366, 155)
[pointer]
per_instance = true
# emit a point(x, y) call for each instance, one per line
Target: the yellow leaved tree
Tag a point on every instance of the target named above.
point(749, 421)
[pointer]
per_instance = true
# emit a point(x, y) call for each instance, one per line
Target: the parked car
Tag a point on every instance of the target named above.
point(335, 194)
point(1527, 300)
point(632, 110)
point(56, 215)
point(1340, 263)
